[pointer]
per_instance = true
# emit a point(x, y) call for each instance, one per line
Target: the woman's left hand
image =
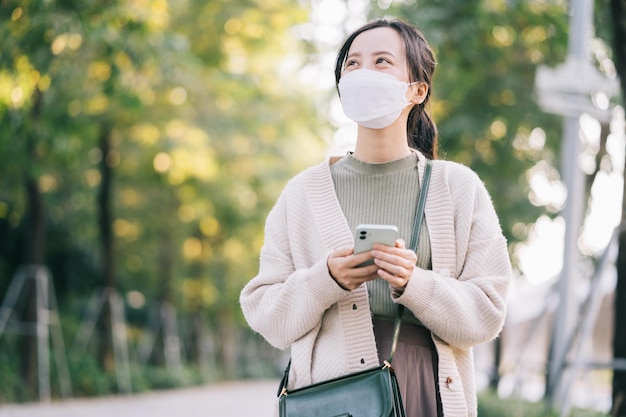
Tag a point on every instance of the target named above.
point(396, 263)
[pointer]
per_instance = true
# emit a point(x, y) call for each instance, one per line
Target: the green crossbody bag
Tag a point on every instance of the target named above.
point(370, 393)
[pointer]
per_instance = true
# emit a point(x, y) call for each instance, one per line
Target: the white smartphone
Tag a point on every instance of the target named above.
point(367, 234)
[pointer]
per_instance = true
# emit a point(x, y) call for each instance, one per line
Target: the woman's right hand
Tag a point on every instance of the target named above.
point(343, 267)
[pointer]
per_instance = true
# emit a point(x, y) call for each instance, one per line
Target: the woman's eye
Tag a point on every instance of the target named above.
point(382, 61)
point(351, 63)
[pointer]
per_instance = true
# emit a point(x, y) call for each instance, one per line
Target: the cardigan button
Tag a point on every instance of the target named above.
point(362, 361)
point(451, 382)
point(353, 306)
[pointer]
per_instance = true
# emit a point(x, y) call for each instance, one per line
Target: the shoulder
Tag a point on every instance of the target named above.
point(462, 186)
point(314, 177)
point(312, 174)
point(456, 175)
point(454, 169)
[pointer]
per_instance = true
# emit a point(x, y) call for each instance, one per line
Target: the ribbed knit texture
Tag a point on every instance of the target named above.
point(384, 193)
point(295, 303)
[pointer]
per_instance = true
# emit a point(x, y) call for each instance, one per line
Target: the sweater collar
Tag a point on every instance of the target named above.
point(366, 168)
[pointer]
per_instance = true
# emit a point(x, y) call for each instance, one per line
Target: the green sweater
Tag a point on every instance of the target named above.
point(384, 193)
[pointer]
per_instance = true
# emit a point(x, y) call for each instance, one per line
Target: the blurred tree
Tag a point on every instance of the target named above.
point(260, 127)
point(25, 145)
point(163, 132)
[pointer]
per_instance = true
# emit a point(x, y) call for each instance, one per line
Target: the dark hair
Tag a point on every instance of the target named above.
point(421, 130)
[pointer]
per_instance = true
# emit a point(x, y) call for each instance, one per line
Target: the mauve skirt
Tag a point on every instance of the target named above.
point(415, 363)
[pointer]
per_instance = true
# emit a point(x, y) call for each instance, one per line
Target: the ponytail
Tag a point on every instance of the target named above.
point(422, 132)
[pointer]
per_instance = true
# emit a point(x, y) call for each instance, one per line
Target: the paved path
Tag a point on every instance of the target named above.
point(236, 399)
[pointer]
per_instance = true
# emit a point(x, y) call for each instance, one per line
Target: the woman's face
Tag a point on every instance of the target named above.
point(379, 49)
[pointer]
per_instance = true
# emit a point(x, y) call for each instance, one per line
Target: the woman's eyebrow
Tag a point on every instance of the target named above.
point(382, 52)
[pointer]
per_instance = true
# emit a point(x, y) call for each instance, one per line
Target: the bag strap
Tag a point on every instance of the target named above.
point(282, 387)
point(421, 204)
point(417, 227)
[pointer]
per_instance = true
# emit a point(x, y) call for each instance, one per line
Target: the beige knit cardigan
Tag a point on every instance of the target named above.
point(294, 302)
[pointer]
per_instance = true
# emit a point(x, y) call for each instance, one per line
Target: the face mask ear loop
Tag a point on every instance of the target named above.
point(407, 86)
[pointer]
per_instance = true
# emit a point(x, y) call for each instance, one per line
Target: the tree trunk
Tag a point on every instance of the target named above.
point(105, 223)
point(165, 299)
point(618, 12)
point(35, 247)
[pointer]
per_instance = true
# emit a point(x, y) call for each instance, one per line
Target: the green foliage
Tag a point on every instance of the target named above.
point(155, 378)
point(12, 385)
point(88, 378)
point(205, 126)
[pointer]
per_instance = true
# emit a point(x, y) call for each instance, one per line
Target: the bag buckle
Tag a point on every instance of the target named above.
point(387, 365)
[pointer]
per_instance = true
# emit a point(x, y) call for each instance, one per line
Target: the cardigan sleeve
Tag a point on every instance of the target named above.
point(283, 303)
point(464, 304)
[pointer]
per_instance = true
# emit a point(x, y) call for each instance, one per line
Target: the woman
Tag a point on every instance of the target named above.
point(312, 296)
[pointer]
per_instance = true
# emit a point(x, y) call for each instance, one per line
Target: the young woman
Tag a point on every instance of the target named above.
point(312, 296)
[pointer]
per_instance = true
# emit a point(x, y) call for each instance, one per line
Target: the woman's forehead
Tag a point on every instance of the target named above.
point(381, 39)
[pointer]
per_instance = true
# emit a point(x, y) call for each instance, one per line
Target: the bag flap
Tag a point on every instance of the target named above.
point(367, 393)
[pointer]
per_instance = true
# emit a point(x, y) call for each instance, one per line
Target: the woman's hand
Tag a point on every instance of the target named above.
point(393, 264)
point(343, 266)
point(396, 264)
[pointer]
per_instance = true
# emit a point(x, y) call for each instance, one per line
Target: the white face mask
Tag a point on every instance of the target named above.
point(371, 98)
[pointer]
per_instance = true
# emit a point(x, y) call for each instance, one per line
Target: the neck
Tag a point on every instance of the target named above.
point(376, 146)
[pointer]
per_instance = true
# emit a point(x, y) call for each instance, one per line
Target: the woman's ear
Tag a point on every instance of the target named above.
point(419, 92)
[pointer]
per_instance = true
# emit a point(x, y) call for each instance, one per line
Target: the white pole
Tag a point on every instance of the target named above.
point(581, 15)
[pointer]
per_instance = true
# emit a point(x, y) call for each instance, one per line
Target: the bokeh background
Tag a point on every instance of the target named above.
point(143, 142)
